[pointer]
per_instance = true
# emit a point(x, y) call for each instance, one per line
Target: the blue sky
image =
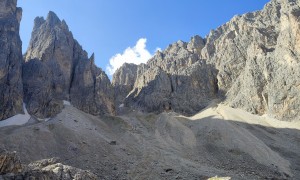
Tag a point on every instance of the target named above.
point(109, 27)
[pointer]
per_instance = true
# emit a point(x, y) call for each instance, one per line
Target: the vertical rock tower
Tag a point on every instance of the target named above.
point(11, 89)
point(57, 68)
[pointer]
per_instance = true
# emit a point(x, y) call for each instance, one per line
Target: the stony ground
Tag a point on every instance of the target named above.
point(219, 141)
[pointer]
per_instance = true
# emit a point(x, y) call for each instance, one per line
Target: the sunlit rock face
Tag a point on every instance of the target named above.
point(11, 93)
point(257, 56)
point(176, 79)
point(123, 81)
point(253, 63)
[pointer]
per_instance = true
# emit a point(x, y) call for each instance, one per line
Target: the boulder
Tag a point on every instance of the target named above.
point(47, 169)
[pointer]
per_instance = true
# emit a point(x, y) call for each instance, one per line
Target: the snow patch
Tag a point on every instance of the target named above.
point(17, 120)
point(67, 103)
point(47, 119)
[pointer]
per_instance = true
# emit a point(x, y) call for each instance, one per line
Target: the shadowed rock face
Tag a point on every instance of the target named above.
point(91, 89)
point(38, 89)
point(65, 72)
point(256, 56)
point(53, 43)
point(11, 93)
point(219, 140)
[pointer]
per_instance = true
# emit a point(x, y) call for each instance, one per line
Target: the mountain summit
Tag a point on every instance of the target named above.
point(57, 68)
point(251, 62)
point(225, 104)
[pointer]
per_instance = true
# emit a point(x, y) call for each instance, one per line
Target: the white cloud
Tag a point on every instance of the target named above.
point(158, 49)
point(137, 55)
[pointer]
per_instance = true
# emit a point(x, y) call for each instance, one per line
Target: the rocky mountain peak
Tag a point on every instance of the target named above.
point(243, 60)
point(125, 75)
point(10, 12)
point(38, 21)
point(8, 8)
point(196, 44)
point(52, 19)
point(123, 81)
point(92, 58)
point(174, 79)
point(251, 61)
point(64, 62)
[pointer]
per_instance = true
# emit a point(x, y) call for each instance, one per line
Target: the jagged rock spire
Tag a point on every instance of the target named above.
point(62, 58)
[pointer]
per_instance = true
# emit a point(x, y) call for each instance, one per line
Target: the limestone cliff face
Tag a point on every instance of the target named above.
point(175, 79)
point(252, 62)
point(53, 44)
point(38, 89)
point(11, 93)
point(57, 59)
point(91, 90)
point(253, 59)
point(123, 81)
point(257, 56)
point(186, 92)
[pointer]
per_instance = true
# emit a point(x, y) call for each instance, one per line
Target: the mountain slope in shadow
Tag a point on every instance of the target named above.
point(217, 141)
